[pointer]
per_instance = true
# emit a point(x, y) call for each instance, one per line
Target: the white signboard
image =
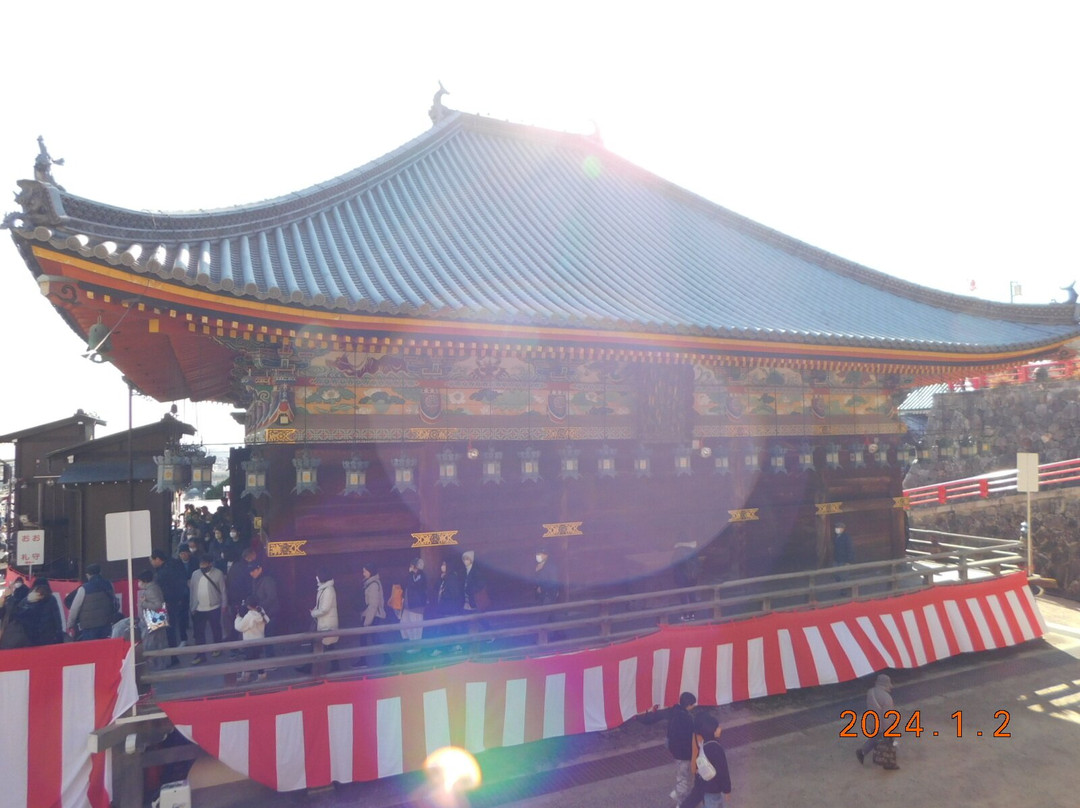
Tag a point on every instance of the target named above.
point(119, 527)
point(30, 547)
point(1027, 472)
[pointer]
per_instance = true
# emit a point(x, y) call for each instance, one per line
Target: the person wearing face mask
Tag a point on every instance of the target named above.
point(843, 547)
point(546, 579)
point(325, 613)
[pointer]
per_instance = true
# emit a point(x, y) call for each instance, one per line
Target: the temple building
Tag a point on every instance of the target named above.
point(498, 337)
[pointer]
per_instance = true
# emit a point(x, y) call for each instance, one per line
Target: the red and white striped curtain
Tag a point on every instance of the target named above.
point(366, 729)
point(51, 699)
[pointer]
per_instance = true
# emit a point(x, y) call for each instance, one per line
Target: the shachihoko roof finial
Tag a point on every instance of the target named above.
point(438, 111)
point(43, 164)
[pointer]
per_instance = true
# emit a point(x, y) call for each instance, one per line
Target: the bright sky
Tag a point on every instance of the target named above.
point(934, 141)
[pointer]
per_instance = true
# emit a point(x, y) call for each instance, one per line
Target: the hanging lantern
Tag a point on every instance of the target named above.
point(968, 448)
point(946, 449)
point(530, 464)
point(806, 457)
point(255, 475)
point(491, 466)
point(985, 445)
point(857, 455)
point(448, 468)
point(923, 451)
point(307, 472)
point(905, 454)
point(778, 459)
point(721, 461)
point(642, 461)
point(355, 476)
point(404, 473)
point(202, 470)
point(752, 458)
point(832, 456)
point(682, 460)
point(605, 461)
point(882, 454)
point(170, 472)
point(568, 463)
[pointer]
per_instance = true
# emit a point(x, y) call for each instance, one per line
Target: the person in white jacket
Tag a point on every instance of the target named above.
point(251, 624)
point(325, 611)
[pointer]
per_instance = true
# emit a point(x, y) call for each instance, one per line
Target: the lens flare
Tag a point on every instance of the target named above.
point(592, 166)
point(451, 770)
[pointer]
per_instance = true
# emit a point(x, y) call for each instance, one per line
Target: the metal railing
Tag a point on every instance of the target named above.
point(1060, 473)
point(542, 630)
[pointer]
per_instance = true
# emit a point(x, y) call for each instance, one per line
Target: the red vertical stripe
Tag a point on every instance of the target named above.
point(574, 698)
point(44, 739)
point(365, 750)
point(262, 744)
point(317, 742)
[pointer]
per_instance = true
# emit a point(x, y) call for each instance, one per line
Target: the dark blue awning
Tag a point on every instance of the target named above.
point(107, 471)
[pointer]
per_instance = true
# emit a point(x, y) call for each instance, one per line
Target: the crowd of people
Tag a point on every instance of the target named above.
point(214, 587)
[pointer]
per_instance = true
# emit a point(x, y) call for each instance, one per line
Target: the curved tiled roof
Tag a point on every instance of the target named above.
point(485, 221)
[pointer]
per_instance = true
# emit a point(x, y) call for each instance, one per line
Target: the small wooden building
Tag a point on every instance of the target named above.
point(67, 481)
point(498, 336)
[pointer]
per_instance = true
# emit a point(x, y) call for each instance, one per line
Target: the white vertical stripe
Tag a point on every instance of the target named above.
point(937, 632)
point(755, 667)
point(871, 634)
point(914, 637)
point(854, 652)
point(77, 710)
point(898, 637)
point(1026, 593)
point(826, 673)
point(593, 686)
point(14, 752)
point(999, 617)
point(959, 628)
point(661, 661)
point(475, 715)
point(724, 654)
point(787, 660)
point(291, 765)
point(436, 720)
point(390, 740)
point(628, 705)
point(233, 745)
point(128, 692)
point(1021, 617)
point(514, 716)
point(975, 609)
point(339, 719)
point(554, 705)
point(691, 671)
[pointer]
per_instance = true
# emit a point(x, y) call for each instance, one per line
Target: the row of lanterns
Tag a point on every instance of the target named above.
point(182, 469)
point(491, 464)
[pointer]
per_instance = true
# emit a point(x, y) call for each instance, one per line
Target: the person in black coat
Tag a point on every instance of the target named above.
point(39, 615)
point(172, 576)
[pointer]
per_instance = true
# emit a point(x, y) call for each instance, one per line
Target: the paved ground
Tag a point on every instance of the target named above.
point(786, 751)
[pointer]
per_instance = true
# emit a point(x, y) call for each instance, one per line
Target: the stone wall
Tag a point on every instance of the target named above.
point(1042, 417)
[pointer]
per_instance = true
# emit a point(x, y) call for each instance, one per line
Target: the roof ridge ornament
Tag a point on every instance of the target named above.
point(43, 164)
point(438, 111)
